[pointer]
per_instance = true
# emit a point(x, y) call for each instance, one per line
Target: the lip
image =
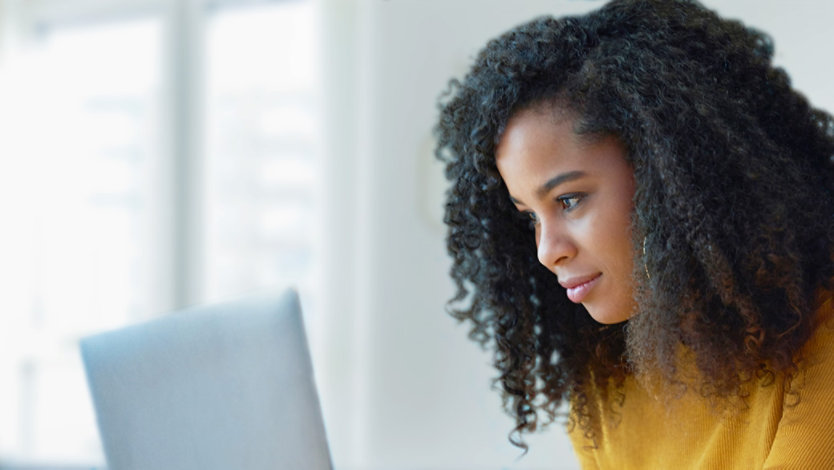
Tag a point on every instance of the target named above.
point(577, 288)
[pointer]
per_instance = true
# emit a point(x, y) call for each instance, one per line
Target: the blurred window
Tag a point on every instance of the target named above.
point(103, 157)
point(262, 132)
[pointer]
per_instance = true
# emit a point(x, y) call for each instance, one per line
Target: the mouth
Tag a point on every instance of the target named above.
point(578, 288)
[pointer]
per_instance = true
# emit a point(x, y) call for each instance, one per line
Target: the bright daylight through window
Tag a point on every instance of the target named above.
point(103, 158)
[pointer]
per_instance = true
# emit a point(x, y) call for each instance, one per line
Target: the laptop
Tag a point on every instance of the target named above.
point(225, 386)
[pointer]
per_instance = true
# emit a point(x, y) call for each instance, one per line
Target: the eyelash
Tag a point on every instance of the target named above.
point(531, 218)
point(576, 197)
point(562, 200)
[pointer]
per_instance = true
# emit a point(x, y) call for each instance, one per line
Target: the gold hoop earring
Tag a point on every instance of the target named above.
point(645, 266)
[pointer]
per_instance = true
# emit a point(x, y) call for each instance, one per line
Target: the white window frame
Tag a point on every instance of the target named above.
point(179, 203)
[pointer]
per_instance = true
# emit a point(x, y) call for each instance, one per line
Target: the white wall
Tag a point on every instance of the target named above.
point(402, 385)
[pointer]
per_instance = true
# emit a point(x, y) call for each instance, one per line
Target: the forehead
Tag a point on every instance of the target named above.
point(536, 139)
point(538, 144)
point(534, 129)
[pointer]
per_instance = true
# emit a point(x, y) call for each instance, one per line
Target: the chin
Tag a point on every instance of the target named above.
point(607, 316)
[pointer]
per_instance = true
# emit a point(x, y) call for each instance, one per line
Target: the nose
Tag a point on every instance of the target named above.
point(554, 245)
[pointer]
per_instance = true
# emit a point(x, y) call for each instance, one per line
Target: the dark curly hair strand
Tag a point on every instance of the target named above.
point(732, 212)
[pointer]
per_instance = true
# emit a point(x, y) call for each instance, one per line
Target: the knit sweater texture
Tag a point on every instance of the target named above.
point(772, 431)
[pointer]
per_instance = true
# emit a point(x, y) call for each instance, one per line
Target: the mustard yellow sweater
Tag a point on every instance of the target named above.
point(645, 433)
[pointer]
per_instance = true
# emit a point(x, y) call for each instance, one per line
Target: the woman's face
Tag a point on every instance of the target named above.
point(578, 192)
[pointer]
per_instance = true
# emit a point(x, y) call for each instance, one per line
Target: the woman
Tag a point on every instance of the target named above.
point(640, 220)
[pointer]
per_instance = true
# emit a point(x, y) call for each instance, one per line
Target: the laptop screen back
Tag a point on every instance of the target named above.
point(224, 386)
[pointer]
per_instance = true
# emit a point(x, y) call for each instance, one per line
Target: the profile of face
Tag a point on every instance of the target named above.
point(578, 192)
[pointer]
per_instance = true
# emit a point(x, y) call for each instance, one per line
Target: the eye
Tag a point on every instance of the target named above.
point(531, 218)
point(570, 201)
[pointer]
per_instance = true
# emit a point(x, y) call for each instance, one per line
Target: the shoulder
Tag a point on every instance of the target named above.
point(804, 434)
point(817, 355)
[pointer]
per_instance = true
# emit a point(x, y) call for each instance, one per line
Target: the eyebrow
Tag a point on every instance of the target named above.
point(553, 182)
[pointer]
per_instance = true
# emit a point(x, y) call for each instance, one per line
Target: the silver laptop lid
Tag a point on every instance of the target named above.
point(227, 386)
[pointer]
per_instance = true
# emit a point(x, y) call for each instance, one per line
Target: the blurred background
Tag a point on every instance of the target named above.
point(156, 154)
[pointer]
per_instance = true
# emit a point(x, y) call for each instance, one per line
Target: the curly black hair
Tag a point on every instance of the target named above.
point(733, 209)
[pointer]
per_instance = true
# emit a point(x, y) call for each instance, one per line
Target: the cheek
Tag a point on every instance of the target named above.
point(624, 243)
point(615, 235)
